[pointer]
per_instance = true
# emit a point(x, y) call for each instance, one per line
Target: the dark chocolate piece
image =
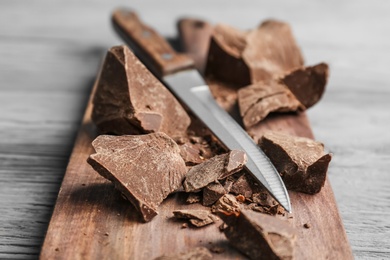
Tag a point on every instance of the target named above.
point(212, 192)
point(145, 168)
point(198, 218)
point(307, 84)
point(218, 167)
point(227, 203)
point(259, 236)
point(242, 58)
point(258, 100)
point(242, 187)
point(197, 253)
point(191, 153)
point(130, 100)
point(301, 162)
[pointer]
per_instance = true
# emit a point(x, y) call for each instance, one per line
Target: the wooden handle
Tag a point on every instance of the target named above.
point(152, 49)
point(195, 39)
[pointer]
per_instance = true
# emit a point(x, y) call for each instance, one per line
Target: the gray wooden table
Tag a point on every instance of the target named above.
point(49, 55)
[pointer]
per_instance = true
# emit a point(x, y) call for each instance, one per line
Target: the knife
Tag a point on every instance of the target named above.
point(177, 72)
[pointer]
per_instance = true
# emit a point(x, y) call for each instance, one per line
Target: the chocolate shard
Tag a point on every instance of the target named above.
point(227, 203)
point(198, 218)
point(212, 192)
point(258, 100)
point(130, 100)
point(242, 58)
point(259, 236)
point(307, 84)
point(145, 168)
point(197, 253)
point(295, 91)
point(218, 167)
point(242, 187)
point(301, 162)
point(191, 153)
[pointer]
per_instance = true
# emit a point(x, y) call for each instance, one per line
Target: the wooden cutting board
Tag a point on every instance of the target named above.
point(92, 221)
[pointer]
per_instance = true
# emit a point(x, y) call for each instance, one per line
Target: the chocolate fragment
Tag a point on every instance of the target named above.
point(191, 153)
point(145, 168)
point(198, 218)
point(306, 225)
point(198, 253)
point(130, 100)
point(258, 100)
point(301, 162)
point(242, 58)
point(295, 91)
point(307, 84)
point(218, 167)
point(259, 236)
point(227, 203)
point(242, 187)
point(212, 192)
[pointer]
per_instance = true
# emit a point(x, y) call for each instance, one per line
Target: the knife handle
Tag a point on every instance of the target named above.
point(195, 37)
point(157, 54)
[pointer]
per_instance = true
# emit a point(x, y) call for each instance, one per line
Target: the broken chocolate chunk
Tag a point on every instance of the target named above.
point(130, 100)
point(258, 100)
point(307, 84)
point(227, 203)
point(242, 58)
point(212, 192)
point(242, 187)
point(197, 253)
point(191, 153)
point(259, 236)
point(145, 168)
point(218, 167)
point(198, 218)
point(295, 91)
point(301, 162)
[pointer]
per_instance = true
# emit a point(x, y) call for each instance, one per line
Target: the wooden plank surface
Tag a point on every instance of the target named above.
point(50, 54)
point(91, 221)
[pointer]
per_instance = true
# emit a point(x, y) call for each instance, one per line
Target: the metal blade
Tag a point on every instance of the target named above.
point(191, 89)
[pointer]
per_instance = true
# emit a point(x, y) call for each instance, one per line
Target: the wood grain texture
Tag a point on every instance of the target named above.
point(49, 58)
point(71, 233)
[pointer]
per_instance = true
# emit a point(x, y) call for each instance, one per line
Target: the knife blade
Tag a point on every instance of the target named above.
point(177, 72)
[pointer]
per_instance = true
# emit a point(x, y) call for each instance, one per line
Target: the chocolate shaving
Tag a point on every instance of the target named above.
point(259, 236)
point(145, 168)
point(130, 100)
point(301, 162)
point(218, 167)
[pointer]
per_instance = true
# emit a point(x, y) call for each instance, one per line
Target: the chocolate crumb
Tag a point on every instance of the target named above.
point(306, 225)
point(184, 225)
point(240, 198)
